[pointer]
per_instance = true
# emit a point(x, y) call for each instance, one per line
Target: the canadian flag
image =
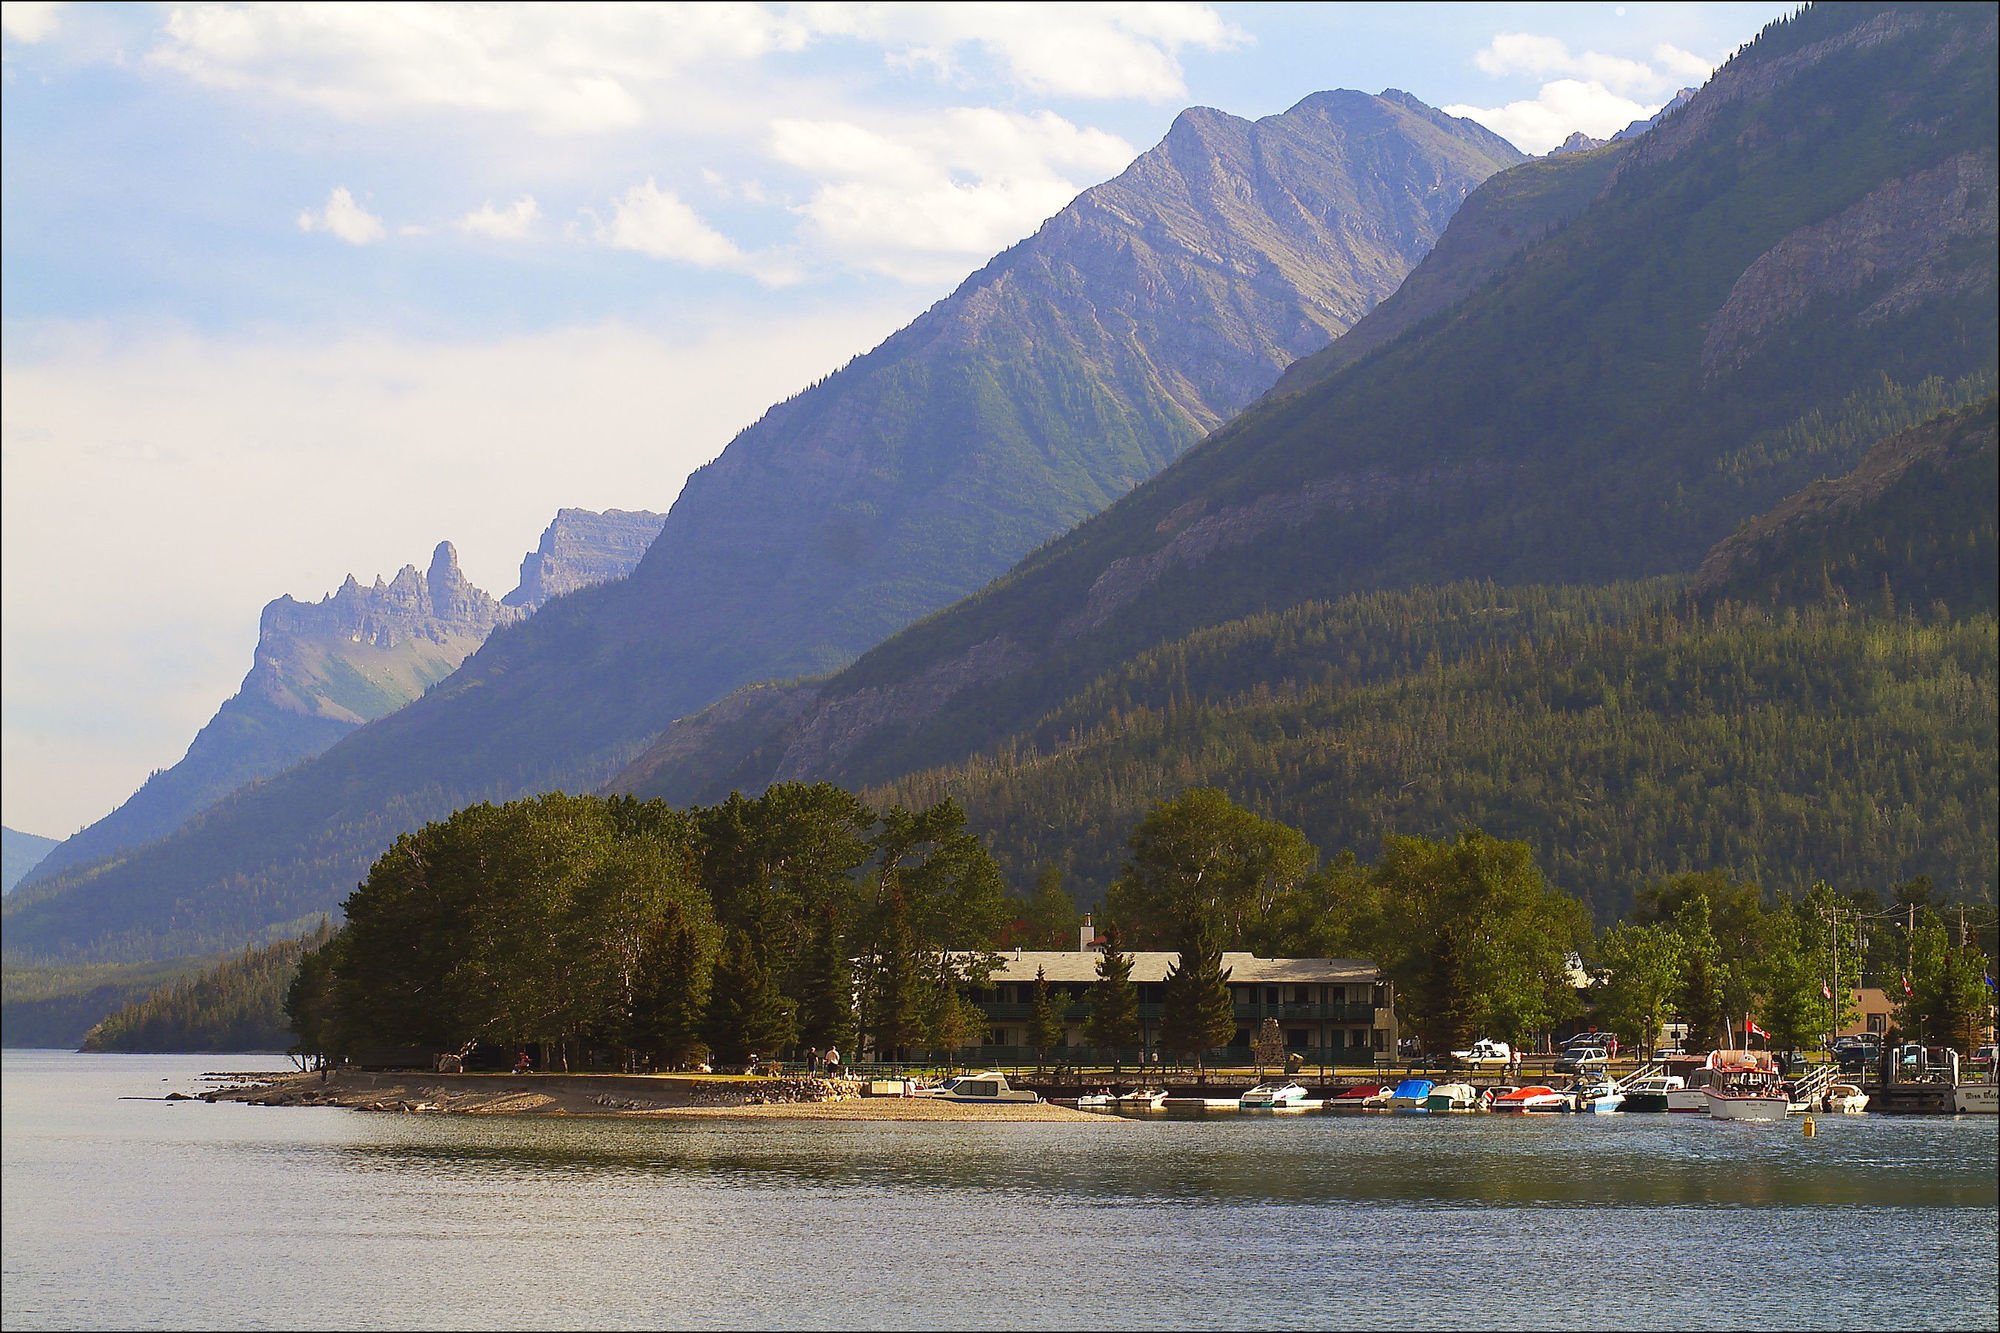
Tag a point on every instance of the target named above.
point(1826, 990)
point(1750, 1028)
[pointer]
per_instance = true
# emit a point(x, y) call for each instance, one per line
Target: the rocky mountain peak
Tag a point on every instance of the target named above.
point(581, 548)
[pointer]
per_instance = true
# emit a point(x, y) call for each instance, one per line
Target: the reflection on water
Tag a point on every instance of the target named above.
point(155, 1214)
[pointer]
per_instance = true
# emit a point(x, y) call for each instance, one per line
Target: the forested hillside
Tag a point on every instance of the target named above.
point(1805, 248)
point(237, 1006)
point(1071, 367)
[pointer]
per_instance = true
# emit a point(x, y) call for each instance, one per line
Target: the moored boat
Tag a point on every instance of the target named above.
point(1844, 1097)
point(1981, 1098)
point(1745, 1085)
point(1273, 1097)
point(1652, 1092)
point(1452, 1097)
point(1354, 1098)
point(1143, 1099)
point(990, 1086)
point(1595, 1095)
point(1410, 1094)
point(1534, 1097)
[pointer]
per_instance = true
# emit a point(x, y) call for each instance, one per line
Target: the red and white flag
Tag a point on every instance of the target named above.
point(1906, 984)
point(1825, 990)
point(1750, 1028)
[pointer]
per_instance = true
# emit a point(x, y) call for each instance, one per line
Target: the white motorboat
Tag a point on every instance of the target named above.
point(990, 1086)
point(1745, 1085)
point(1096, 1101)
point(1411, 1094)
point(1273, 1097)
point(1596, 1095)
point(1981, 1098)
point(1452, 1097)
point(1143, 1099)
point(1844, 1097)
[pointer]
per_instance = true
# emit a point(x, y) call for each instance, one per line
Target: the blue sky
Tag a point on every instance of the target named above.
point(294, 291)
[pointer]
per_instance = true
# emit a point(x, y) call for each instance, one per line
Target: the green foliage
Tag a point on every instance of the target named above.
point(1045, 1020)
point(1200, 862)
point(826, 1012)
point(746, 1014)
point(1114, 1001)
point(1950, 1002)
point(1642, 971)
point(1196, 1012)
point(1052, 918)
point(237, 1006)
point(1475, 942)
point(1700, 1000)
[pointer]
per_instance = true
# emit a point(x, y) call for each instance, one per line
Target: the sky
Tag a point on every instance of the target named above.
point(294, 291)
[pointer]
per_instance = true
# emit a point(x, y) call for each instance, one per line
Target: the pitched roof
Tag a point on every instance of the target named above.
point(1147, 965)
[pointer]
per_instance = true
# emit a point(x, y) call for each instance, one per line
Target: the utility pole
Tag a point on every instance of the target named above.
point(1910, 943)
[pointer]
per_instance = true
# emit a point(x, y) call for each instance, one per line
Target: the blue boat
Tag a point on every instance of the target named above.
point(1410, 1094)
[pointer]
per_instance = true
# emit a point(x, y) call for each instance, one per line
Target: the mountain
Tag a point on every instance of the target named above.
point(324, 668)
point(1070, 368)
point(581, 549)
point(1640, 348)
point(19, 853)
point(1785, 723)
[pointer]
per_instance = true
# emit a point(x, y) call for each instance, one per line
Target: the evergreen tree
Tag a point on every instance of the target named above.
point(827, 994)
point(1699, 1000)
point(1641, 974)
point(746, 1014)
point(1046, 1029)
point(1052, 917)
point(670, 1002)
point(1949, 1000)
point(896, 1012)
point(1197, 1014)
point(1113, 1024)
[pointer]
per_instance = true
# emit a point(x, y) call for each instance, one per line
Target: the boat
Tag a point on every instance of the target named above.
point(988, 1087)
point(1273, 1097)
point(1980, 1098)
point(1651, 1093)
point(1143, 1099)
point(1354, 1098)
point(1384, 1094)
point(1452, 1097)
point(1844, 1097)
point(1745, 1085)
point(1493, 1094)
point(1534, 1097)
point(1096, 1101)
point(1595, 1095)
point(1696, 1073)
point(1410, 1094)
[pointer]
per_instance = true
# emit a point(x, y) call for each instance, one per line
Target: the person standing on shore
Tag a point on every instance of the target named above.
point(812, 1059)
point(833, 1062)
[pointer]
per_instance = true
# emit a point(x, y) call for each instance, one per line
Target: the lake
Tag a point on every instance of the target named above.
point(152, 1214)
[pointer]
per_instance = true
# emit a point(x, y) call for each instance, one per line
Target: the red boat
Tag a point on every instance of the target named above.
point(1355, 1098)
point(1534, 1097)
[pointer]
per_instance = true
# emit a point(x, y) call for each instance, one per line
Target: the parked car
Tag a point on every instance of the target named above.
point(1484, 1052)
point(1583, 1059)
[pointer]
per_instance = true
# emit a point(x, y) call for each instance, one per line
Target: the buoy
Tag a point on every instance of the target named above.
point(1810, 1130)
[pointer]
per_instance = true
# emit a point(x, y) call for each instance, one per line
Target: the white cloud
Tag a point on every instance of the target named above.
point(1590, 91)
point(596, 68)
point(344, 218)
point(654, 222)
point(511, 223)
point(30, 20)
point(922, 199)
point(156, 494)
point(1069, 50)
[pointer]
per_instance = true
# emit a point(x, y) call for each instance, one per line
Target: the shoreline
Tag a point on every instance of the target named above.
point(612, 1096)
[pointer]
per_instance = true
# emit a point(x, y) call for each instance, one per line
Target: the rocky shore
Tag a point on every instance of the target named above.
point(637, 1096)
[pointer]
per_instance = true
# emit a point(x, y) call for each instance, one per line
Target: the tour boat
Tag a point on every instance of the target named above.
point(1273, 1097)
point(1534, 1097)
point(1745, 1085)
point(1354, 1098)
point(990, 1086)
point(1844, 1097)
point(1981, 1098)
point(1452, 1097)
point(1410, 1094)
point(1596, 1095)
point(1652, 1092)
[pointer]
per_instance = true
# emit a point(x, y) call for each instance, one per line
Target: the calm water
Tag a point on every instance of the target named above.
point(148, 1214)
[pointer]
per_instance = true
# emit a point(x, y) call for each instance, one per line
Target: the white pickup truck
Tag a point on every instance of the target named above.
point(1484, 1052)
